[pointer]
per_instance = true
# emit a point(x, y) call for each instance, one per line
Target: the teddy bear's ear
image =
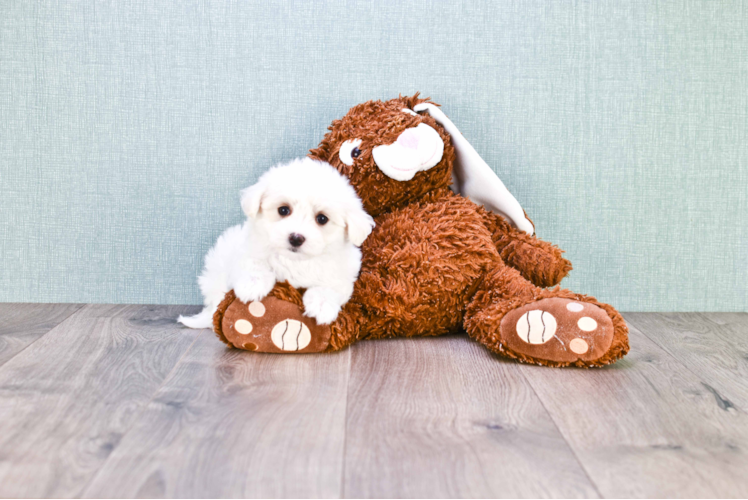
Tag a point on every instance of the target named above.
point(474, 179)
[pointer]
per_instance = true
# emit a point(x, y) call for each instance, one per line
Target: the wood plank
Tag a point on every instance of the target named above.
point(647, 426)
point(714, 346)
point(442, 417)
point(67, 399)
point(232, 423)
point(22, 324)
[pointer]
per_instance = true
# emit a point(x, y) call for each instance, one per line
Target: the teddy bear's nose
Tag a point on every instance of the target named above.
point(409, 139)
point(296, 240)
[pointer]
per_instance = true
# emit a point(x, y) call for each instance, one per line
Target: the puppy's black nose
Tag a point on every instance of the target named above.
point(296, 240)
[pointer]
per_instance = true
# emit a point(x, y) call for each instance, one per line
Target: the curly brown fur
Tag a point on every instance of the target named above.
point(347, 328)
point(285, 291)
point(540, 262)
point(420, 285)
point(218, 317)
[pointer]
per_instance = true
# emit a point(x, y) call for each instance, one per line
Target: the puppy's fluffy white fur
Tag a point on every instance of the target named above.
point(251, 257)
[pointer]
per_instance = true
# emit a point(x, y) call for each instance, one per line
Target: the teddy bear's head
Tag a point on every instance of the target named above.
point(392, 155)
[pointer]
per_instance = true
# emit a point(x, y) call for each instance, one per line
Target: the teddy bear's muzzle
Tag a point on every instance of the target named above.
point(416, 149)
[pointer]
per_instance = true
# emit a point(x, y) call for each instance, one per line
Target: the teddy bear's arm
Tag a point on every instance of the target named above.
point(538, 261)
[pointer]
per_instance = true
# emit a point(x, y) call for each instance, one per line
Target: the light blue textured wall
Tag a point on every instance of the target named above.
point(128, 128)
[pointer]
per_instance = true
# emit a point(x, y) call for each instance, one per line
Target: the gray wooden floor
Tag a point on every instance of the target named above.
point(119, 401)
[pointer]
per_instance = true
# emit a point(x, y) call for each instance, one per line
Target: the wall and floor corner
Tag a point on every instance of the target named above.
point(128, 128)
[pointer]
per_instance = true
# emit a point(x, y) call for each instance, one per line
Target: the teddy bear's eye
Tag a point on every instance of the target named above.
point(350, 150)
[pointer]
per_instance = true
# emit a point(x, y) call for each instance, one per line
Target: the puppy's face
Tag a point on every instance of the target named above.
point(299, 225)
point(305, 209)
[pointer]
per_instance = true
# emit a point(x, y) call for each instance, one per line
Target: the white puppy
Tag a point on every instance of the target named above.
point(304, 224)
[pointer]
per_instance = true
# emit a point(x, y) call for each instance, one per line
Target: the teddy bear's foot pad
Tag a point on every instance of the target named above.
point(558, 330)
point(272, 325)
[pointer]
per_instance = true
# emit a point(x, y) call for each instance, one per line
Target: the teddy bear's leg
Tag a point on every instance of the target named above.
point(277, 324)
point(540, 262)
point(553, 327)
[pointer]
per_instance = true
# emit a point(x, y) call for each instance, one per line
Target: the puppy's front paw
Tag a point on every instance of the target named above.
point(321, 304)
point(253, 288)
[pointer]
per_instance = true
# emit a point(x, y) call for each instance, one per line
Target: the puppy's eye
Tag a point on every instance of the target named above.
point(350, 150)
point(322, 219)
point(284, 211)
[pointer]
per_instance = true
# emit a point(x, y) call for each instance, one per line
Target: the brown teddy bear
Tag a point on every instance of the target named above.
point(439, 260)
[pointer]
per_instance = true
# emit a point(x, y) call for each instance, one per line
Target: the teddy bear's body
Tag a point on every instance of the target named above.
point(438, 263)
point(422, 264)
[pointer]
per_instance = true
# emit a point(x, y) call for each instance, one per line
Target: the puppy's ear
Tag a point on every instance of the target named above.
point(358, 225)
point(252, 198)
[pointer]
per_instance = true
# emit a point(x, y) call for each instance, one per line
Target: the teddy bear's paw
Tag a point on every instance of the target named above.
point(272, 325)
point(558, 330)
